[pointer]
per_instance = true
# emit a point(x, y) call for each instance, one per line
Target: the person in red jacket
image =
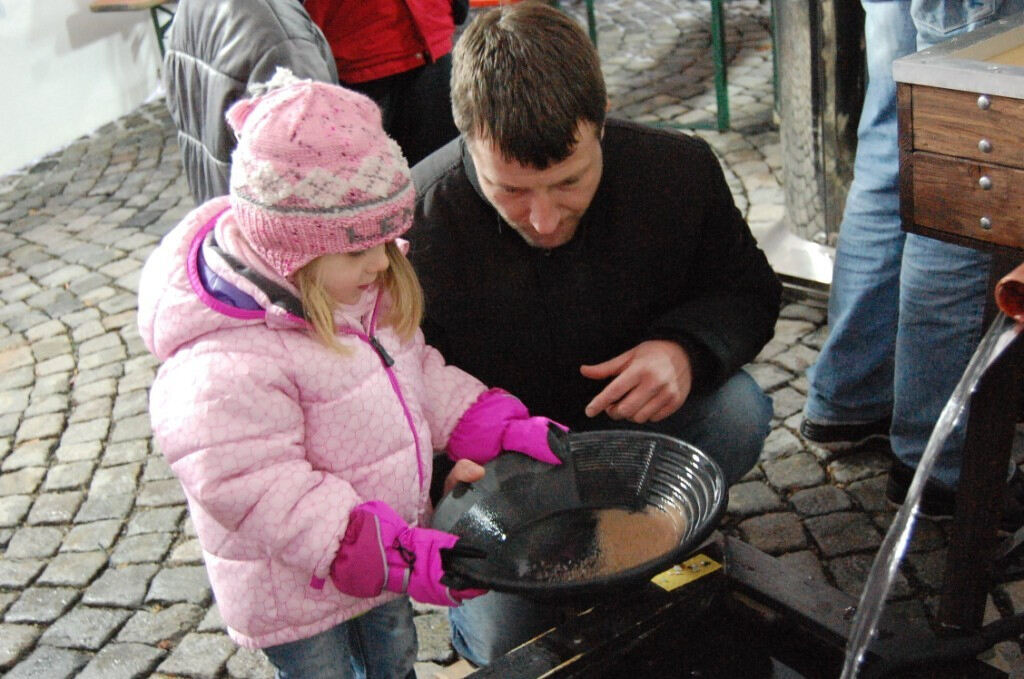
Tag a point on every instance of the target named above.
point(397, 52)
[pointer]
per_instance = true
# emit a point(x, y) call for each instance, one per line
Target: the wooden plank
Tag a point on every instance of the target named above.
point(123, 5)
point(979, 500)
point(757, 599)
point(807, 622)
point(905, 137)
point(961, 240)
point(949, 195)
point(952, 123)
point(806, 625)
point(587, 645)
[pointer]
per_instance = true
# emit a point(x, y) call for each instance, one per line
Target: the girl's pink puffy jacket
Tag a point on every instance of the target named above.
point(275, 438)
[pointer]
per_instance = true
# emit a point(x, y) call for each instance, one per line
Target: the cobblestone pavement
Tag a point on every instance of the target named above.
point(101, 573)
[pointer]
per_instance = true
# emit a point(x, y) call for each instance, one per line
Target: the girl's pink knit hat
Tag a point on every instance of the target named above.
point(314, 173)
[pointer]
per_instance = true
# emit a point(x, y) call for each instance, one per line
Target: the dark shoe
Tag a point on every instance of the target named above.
point(939, 502)
point(836, 437)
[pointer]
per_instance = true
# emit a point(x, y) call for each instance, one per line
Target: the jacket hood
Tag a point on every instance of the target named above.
point(177, 306)
point(175, 309)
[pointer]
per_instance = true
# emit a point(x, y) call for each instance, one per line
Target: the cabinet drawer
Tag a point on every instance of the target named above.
point(948, 195)
point(952, 123)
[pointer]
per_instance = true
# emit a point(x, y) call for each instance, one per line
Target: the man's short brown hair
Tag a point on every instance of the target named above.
point(524, 77)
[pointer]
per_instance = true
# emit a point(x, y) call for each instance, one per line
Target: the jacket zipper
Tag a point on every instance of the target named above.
point(385, 357)
point(387, 362)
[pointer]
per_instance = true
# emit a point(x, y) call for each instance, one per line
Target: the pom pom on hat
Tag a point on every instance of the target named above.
point(314, 173)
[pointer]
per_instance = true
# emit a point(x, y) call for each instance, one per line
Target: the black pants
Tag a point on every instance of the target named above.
point(416, 107)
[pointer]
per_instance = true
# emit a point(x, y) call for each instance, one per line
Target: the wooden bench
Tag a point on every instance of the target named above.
point(161, 14)
point(726, 612)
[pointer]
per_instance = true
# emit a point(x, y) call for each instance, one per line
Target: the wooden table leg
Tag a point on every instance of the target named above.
point(979, 501)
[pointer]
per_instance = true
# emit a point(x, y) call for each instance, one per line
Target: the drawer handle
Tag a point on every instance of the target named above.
point(985, 146)
point(984, 102)
point(986, 223)
point(985, 183)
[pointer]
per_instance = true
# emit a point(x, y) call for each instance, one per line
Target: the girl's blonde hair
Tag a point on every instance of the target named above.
point(399, 281)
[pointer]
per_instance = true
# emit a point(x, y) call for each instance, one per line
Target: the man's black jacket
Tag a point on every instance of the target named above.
point(661, 253)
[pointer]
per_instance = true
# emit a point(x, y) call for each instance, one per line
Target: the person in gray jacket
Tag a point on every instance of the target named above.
point(218, 48)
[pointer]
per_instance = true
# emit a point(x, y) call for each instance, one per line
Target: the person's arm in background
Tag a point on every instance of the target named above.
point(460, 10)
point(216, 50)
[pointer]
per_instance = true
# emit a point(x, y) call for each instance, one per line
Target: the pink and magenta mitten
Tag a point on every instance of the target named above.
point(381, 552)
point(499, 421)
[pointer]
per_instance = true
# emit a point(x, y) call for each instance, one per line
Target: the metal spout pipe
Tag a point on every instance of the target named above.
point(1010, 294)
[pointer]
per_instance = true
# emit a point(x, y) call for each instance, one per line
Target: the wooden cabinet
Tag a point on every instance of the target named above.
point(961, 111)
point(961, 138)
point(968, 199)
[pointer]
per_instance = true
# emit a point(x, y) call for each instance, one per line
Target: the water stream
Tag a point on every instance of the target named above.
point(884, 568)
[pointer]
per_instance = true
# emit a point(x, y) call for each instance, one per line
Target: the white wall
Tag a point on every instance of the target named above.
point(65, 71)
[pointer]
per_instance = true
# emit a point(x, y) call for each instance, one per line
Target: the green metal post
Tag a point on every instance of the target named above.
point(718, 54)
point(774, 26)
point(591, 22)
point(161, 27)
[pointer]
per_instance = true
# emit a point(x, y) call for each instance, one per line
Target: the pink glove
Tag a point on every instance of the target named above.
point(381, 551)
point(499, 421)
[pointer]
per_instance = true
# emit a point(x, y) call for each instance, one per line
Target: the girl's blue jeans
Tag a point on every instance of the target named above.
point(379, 644)
point(905, 311)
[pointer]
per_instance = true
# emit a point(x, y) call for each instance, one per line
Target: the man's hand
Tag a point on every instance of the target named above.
point(651, 381)
point(464, 470)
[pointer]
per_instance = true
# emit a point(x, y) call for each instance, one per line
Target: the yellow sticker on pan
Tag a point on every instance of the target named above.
point(682, 574)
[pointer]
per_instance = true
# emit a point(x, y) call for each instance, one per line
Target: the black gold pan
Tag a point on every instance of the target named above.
point(622, 506)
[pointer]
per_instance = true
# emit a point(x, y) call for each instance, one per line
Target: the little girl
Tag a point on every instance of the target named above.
point(297, 402)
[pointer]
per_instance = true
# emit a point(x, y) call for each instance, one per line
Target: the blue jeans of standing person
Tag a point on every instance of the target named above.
point(379, 644)
point(729, 424)
point(905, 311)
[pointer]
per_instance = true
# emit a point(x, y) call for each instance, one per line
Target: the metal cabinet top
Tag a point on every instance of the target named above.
point(989, 60)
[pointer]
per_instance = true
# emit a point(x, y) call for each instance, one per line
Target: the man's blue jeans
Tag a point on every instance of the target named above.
point(730, 425)
point(379, 644)
point(905, 311)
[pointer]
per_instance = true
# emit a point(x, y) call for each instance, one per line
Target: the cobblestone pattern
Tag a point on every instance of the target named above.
point(101, 574)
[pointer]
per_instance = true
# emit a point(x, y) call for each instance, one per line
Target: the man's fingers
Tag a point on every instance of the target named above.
point(615, 390)
point(600, 403)
point(651, 409)
point(612, 366)
point(664, 412)
point(653, 381)
point(638, 398)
